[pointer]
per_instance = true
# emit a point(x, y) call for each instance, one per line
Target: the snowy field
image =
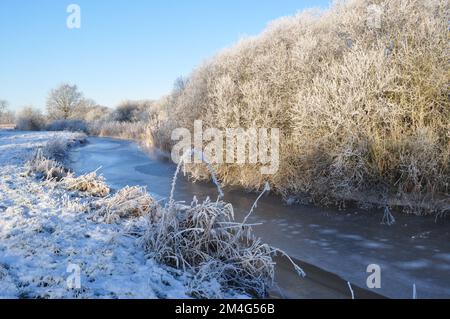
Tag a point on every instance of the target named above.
point(46, 230)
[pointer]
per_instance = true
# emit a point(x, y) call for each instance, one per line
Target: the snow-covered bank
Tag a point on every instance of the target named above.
point(342, 242)
point(44, 229)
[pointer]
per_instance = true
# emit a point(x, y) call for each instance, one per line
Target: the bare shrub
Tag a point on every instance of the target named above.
point(128, 202)
point(29, 119)
point(6, 116)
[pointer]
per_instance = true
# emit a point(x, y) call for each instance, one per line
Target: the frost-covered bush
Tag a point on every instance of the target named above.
point(359, 92)
point(126, 112)
point(143, 121)
point(131, 111)
point(96, 113)
point(90, 184)
point(221, 254)
point(125, 130)
point(68, 125)
point(47, 163)
point(29, 119)
point(189, 237)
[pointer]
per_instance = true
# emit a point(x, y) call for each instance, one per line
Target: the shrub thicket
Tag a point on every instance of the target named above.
point(29, 119)
point(360, 93)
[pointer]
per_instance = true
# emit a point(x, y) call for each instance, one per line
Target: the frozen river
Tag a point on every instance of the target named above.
point(414, 251)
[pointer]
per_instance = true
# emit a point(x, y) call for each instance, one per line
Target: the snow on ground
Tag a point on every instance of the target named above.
point(44, 229)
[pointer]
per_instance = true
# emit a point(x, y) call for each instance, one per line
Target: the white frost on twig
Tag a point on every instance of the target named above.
point(351, 289)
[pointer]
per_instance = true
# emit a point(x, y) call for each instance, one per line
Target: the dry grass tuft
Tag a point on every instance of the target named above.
point(128, 202)
point(125, 130)
point(90, 184)
point(46, 163)
point(204, 239)
point(361, 101)
point(44, 168)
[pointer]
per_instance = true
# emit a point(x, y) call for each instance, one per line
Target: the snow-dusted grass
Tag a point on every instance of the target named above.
point(51, 219)
point(44, 228)
point(128, 202)
point(48, 159)
point(204, 239)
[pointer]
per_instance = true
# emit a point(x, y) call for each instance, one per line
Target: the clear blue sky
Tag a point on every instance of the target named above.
point(125, 49)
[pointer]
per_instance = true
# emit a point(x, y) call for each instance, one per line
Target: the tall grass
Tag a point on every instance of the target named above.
point(216, 253)
point(204, 239)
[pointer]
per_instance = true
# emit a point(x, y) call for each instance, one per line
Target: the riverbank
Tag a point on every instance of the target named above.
point(50, 234)
point(77, 221)
point(363, 110)
point(412, 251)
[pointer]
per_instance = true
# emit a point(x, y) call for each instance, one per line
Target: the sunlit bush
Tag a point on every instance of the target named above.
point(131, 111)
point(29, 119)
point(359, 92)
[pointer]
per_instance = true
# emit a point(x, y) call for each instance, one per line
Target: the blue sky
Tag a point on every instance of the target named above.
point(125, 49)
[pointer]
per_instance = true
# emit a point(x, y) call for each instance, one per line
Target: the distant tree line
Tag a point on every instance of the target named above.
point(68, 109)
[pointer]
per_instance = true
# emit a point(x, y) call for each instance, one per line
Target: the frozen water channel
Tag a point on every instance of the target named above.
point(415, 250)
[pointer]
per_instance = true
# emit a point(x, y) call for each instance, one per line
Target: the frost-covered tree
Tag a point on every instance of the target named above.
point(3, 106)
point(64, 102)
point(6, 116)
